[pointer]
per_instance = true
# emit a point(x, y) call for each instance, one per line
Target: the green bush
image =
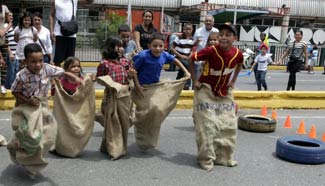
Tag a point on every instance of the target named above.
point(109, 27)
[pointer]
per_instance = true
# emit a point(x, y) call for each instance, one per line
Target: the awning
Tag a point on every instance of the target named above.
point(227, 15)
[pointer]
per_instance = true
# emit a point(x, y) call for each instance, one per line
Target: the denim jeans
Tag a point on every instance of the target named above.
point(12, 69)
point(198, 69)
point(181, 74)
point(260, 77)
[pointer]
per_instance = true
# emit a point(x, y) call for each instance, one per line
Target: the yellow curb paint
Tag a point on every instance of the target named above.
point(244, 99)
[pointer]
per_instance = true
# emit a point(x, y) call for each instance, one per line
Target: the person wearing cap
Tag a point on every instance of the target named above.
point(213, 106)
point(264, 40)
point(201, 37)
point(262, 61)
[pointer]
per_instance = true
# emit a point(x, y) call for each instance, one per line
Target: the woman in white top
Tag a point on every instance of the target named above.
point(44, 37)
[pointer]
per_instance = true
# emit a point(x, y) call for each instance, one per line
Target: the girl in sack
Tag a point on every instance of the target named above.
point(114, 72)
point(74, 109)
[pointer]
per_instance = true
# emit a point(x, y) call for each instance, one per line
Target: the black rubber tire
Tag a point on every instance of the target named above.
point(300, 149)
point(256, 123)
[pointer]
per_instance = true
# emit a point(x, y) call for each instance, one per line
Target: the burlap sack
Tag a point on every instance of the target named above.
point(75, 115)
point(35, 132)
point(216, 128)
point(150, 112)
point(116, 117)
point(3, 141)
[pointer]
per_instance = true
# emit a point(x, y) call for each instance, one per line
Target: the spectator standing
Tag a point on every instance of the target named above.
point(313, 59)
point(129, 45)
point(262, 61)
point(3, 46)
point(297, 51)
point(201, 36)
point(44, 37)
point(12, 62)
point(24, 34)
point(182, 48)
point(64, 45)
point(264, 41)
point(143, 32)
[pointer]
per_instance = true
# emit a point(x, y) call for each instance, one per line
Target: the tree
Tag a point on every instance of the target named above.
point(109, 27)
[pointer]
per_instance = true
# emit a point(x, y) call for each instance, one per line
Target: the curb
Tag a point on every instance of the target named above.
point(244, 99)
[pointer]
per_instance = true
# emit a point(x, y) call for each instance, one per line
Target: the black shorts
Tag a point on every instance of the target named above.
point(64, 47)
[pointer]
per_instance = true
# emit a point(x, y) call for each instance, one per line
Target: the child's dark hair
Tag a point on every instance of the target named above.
point(300, 31)
point(151, 27)
point(315, 47)
point(108, 49)
point(37, 14)
point(157, 35)
point(21, 19)
point(69, 61)
point(123, 28)
point(212, 34)
point(32, 48)
point(186, 25)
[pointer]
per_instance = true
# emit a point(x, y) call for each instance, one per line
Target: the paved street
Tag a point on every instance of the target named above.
point(173, 162)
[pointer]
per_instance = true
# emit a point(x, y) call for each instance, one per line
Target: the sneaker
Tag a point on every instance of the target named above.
point(323, 73)
point(3, 90)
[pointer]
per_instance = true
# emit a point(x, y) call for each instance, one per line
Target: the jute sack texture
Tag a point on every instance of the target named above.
point(151, 110)
point(216, 127)
point(75, 115)
point(116, 117)
point(35, 132)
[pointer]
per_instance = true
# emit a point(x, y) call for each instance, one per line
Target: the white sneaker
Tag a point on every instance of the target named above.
point(3, 90)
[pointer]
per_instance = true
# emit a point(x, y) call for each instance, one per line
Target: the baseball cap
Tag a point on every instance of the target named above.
point(263, 45)
point(228, 26)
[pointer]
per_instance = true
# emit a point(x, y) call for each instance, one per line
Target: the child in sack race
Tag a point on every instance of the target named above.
point(213, 105)
point(34, 126)
point(74, 109)
point(153, 99)
point(114, 72)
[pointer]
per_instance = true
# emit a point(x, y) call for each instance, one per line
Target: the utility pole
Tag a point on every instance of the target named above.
point(235, 13)
point(285, 11)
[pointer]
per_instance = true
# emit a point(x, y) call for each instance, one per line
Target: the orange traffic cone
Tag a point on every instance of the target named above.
point(301, 129)
point(287, 123)
point(264, 111)
point(274, 115)
point(323, 138)
point(312, 132)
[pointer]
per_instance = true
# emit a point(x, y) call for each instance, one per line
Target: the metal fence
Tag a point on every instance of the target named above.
point(87, 50)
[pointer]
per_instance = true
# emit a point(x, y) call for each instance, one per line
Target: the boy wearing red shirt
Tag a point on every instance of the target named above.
point(213, 107)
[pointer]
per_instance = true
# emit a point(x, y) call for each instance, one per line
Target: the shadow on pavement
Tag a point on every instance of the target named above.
point(17, 175)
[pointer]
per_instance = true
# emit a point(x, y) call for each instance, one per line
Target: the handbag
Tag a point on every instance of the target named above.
point(46, 57)
point(70, 27)
point(293, 57)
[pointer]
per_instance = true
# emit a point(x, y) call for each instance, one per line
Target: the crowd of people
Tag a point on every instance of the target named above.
point(134, 95)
